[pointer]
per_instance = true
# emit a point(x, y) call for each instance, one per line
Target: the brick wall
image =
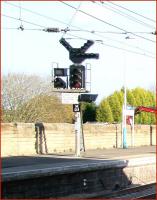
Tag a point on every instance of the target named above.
point(20, 138)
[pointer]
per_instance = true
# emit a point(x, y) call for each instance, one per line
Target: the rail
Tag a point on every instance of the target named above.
point(138, 192)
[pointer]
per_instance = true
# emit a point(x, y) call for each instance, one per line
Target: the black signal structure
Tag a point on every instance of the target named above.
point(60, 71)
point(59, 83)
point(59, 74)
point(78, 55)
point(77, 77)
point(87, 97)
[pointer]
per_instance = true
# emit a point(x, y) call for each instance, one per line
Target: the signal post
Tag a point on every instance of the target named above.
point(75, 82)
point(76, 110)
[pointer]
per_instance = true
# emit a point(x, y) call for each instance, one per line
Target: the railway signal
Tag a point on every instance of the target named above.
point(59, 82)
point(77, 83)
point(78, 55)
point(77, 76)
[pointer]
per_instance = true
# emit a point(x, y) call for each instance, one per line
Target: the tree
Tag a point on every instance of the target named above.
point(46, 109)
point(130, 98)
point(115, 106)
point(28, 97)
point(135, 97)
point(88, 112)
point(104, 113)
point(19, 88)
point(120, 95)
point(144, 98)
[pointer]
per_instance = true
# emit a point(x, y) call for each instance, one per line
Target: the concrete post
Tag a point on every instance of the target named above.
point(77, 133)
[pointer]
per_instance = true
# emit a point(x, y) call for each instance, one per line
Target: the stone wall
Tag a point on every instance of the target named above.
point(20, 138)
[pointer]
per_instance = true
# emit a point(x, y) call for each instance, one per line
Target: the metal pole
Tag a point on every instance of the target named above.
point(124, 111)
point(133, 131)
point(122, 126)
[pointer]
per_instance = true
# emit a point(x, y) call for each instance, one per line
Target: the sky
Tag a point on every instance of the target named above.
point(128, 58)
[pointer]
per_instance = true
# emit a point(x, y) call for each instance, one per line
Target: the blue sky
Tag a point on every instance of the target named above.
point(34, 51)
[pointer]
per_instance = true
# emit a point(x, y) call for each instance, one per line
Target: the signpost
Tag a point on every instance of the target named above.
point(72, 98)
point(128, 112)
point(77, 133)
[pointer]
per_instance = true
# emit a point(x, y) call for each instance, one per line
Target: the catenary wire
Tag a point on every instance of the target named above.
point(105, 44)
point(112, 32)
point(39, 14)
point(90, 31)
point(72, 18)
point(53, 19)
point(28, 29)
point(32, 23)
point(69, 29)
point(109, 7)
point(94, 17)
point(80, 30)
point(132, 11)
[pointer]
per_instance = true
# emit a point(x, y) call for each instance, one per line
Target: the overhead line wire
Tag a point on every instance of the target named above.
point(70, 22)
point(106, 22)
point(112, 32)
point(27, 29)
point(132, 11)
point(45, 28)
point(120, 42)
point(36, 13)
point(23, 21)
point(66, 31)
point(113, 9)
point(143, 54)
point(50, 18)
point(93, 32)
point(54, 19)
point(129, 45)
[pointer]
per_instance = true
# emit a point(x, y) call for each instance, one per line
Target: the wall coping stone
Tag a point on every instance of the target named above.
point(48, 170)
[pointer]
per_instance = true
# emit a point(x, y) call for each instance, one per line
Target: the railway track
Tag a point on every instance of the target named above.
point(139, 192)
point(147, 196)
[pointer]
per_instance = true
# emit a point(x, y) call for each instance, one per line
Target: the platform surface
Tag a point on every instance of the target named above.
point(23, 166)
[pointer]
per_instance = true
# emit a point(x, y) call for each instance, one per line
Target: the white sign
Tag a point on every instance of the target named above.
point(76, 108)
point(129, 112)
point(70, 98)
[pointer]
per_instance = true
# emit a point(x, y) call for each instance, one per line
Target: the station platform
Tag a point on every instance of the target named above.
point(20, 165)
point(95, 170)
